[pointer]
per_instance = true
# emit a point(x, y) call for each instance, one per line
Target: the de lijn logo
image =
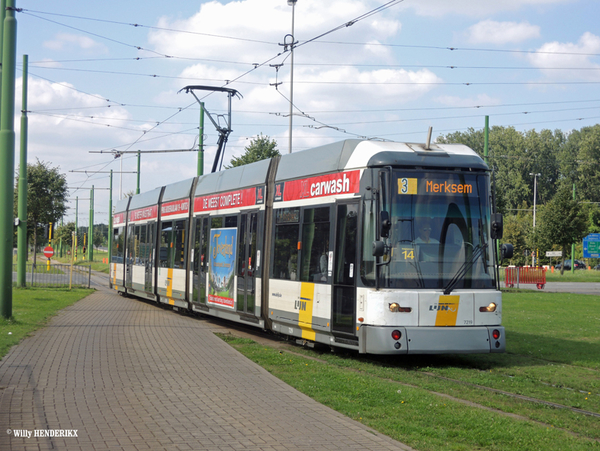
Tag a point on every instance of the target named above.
point(223, 245)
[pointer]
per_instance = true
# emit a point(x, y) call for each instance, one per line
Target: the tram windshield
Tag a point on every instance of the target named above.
point(439, 232)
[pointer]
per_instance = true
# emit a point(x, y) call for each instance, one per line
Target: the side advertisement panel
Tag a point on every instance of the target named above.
point(223, 245)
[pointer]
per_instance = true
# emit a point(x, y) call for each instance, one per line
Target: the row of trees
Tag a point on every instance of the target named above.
point(564, 161)
point(47, 193)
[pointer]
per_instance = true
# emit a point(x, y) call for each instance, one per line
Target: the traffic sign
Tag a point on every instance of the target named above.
point(591, 246)
point(48, 252)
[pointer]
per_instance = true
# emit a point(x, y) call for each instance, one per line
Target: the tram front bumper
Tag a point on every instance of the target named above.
point(432, 340)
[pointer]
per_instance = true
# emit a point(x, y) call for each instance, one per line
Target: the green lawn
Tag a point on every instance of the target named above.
point(508, 401)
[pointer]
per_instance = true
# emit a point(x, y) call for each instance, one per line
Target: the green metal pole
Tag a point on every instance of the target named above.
point(110, 226)
point(75, 245)
point(486, 136)
point(201, 142)
point(138, 172)
point(91, 231)
point(573, 245)
point(2, 17)
point(7, 157)
point(22, 207)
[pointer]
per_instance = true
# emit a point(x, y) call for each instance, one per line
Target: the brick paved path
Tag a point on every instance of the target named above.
point(130, 376)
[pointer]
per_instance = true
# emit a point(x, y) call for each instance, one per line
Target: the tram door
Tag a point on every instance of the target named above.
point(345, 270)
point(148, 238)
point(246, 270)
point(200, 263)
point(129, 256)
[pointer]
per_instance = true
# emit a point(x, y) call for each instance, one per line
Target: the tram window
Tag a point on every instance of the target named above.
point(166, 244)
point(117, 245)
point(137, 245)
point(367, 268)
point(143, 244)
point(131, 244)
point(315, 245)
point(151, 240)
point(179, 245)
point(216, 223)
point(287, 228)
point(231, 221)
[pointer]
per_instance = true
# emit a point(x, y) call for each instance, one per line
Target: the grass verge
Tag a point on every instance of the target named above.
point(32, 308)
point(543, 393)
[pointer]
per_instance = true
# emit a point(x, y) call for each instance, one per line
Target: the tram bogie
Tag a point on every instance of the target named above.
point(382, 248)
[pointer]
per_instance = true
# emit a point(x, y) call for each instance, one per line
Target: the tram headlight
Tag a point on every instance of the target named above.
point(489, 308)
point(395, 307)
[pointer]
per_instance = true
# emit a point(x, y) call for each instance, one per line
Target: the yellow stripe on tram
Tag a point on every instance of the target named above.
point(305, 316)
point(170, 286)
point(447, 310)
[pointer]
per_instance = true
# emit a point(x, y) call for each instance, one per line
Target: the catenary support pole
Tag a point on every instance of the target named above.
point(110, 222)
point(22, 207)
point(91, 227)
point(201, 141)
point(7, 157)
point(573, 245)
point(138, 172)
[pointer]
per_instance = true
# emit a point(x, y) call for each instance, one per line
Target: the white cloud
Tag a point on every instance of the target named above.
point(576, 58)
point(478, 101)
point(67, 41)
point(492, 32)
point(475, 8)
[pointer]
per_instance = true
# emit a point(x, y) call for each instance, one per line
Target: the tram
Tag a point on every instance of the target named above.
point(378, 247)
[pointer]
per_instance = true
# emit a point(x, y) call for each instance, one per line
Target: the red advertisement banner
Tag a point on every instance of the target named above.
point(143, 214)
point(118, 219)
point(175, 208)
point(233, 199)
point(320, 186)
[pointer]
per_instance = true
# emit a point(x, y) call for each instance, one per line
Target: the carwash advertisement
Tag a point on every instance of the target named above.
point(223, 245)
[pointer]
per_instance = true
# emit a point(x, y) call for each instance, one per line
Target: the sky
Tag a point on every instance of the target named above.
point(108, 76)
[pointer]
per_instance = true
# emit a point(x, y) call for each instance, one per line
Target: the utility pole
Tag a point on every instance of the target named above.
point(7, 156)
point(22, 207)
point(139, 155)
point(91, 226)
point(201, 141)
point(573, 245)
point(110, 226)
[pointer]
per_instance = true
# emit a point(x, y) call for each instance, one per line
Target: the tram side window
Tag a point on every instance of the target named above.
point(315, 245)
point(166, 244)
point(287, 229)
point(142, 245)
point(136, 244)
point(117, 244)
point(178, 245)
point(131, 244)
point(367, 264)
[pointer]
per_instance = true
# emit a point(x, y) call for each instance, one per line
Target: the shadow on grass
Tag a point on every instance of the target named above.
point(523, 350)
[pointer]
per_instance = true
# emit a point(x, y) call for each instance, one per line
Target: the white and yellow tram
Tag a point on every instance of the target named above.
point(380, 247)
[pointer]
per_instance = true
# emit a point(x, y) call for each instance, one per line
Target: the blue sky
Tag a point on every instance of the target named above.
point(99, 83)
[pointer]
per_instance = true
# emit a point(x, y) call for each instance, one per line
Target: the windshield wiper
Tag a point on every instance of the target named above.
point(466, 266)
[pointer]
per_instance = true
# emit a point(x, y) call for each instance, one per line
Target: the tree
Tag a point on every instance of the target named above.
point(562, 222)
point(260, 148)
point(46, 197)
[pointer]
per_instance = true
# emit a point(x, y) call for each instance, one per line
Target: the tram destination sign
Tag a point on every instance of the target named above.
point(591, 246)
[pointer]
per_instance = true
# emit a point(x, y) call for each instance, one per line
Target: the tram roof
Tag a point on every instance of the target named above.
point(178, 190)
point(356, 153)
point(145, 199)
point(121, 205)
point(232, 179)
